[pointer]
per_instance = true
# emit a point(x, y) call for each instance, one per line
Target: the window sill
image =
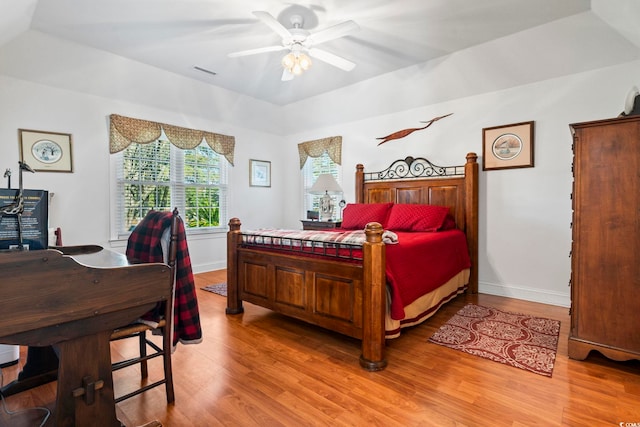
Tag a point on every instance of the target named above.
point(197, 234)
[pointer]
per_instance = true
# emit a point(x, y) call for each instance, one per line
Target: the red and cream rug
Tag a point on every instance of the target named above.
point(218, 288)
point(519, 340)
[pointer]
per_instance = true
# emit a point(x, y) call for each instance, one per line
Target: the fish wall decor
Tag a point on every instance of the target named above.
point(402, 133)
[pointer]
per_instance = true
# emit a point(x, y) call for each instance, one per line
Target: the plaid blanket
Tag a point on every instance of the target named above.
point(144, 245)
point(274, 236)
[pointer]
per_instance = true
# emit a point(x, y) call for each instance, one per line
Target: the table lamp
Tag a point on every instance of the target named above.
point(326, 184)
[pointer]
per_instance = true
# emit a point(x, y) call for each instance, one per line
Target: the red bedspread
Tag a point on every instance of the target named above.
point(421, 262)
point(417, 264)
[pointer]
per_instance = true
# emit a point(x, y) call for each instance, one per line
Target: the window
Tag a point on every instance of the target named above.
point(314, 167)
point(161, 176)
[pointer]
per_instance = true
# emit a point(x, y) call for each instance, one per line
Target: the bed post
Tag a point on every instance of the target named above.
point(471, 220)
point(374, 300)
point(359, 183)
point(234, 238)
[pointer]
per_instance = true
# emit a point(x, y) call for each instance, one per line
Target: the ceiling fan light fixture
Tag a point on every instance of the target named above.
point(289, 61)
point(296, 63)
point(304, 61)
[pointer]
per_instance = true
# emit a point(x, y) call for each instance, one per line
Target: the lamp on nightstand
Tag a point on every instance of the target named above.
point(326, 185)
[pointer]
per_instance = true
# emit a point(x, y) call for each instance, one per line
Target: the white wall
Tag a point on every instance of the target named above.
point(525, 214)
point(554, 74)
point(81, 201)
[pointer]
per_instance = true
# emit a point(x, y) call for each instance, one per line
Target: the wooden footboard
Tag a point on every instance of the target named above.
point(349, 298)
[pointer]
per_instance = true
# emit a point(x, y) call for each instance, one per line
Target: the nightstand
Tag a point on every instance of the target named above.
point(320, 225)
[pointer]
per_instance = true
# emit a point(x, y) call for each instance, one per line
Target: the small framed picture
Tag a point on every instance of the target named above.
point(46, 151)
point(507, 147)
point(259, 173)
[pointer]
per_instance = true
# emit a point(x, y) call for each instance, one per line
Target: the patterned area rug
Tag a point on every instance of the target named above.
point(219, 288)
point(519, 340)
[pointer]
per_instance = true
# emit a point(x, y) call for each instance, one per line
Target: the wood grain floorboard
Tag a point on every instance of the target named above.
point(264, 369)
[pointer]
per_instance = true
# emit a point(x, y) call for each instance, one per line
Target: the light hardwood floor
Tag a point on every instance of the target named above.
point(263, 369)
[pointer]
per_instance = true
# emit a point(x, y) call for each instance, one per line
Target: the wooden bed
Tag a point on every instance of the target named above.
point(351, 297)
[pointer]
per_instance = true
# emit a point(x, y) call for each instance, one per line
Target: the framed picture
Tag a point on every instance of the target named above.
point(46, 151)
point(259, 173)
point(509, 146)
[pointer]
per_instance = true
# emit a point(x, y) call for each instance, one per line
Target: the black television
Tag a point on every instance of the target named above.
point(35, 220)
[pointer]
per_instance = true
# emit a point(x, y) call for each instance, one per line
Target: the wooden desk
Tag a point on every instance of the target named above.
point(73, 303)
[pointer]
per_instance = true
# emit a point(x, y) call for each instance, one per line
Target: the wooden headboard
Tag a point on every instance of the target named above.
point(418, 181)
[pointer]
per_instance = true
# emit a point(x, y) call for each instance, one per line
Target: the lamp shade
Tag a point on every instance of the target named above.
point(326, 183)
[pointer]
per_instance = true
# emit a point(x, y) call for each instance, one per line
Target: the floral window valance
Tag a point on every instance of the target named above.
point(126, 130)
point(332, 145)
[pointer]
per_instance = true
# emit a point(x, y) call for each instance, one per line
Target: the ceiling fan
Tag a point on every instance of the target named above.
point(300, 42)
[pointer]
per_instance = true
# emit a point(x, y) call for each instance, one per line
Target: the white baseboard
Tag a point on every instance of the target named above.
point(527, 294)
point(203, 268)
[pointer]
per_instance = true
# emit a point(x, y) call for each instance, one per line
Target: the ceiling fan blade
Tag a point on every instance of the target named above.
point(286, 75)
point(256, 51)
point(332, 59)
point(333, 32)
point(273, 23)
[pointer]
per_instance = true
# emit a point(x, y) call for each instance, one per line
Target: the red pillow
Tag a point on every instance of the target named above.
point(356, 216)
point(449, 223)
point(407, 217)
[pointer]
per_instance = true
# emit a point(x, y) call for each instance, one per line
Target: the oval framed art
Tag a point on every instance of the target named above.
point(508, 146)
point(46, 151)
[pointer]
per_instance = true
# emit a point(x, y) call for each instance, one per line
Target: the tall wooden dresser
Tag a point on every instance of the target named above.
point(605, 263)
